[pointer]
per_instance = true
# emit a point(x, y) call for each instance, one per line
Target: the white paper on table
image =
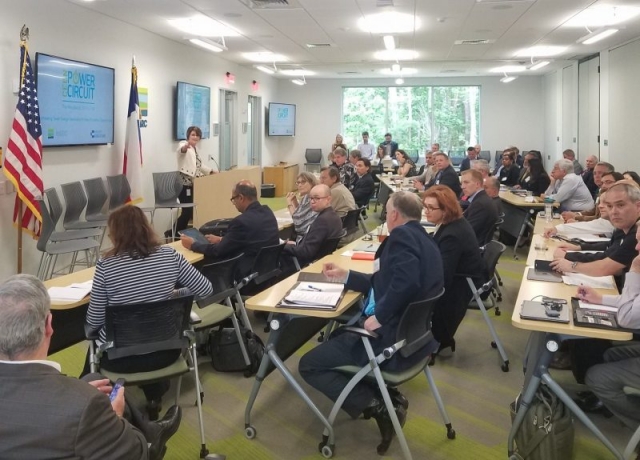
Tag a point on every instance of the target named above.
point(587, 237)
point(315, 294)
point(598, 282)
point(595, 306)
point(347, 253)
point(585, 252)
point(86, 285)
point(529, 199)
point(68, 293)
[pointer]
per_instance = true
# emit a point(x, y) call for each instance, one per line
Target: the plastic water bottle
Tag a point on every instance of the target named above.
point(548, 212)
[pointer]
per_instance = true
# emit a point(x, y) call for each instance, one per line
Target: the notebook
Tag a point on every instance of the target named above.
point(195, 234)
point(313, 295)
point(73, 292)
point(538, 312)
point(543, 275)
point(597, 316)
point(366, 246)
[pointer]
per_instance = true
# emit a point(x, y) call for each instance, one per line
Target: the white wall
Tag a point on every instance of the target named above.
point(510, 114)
point(64, 29)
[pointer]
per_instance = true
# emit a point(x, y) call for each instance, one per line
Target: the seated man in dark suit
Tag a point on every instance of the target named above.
point(492, 188)
point(326, 225)
point(472, 154)
point(481, 212)
point(445, 175)
point(255, 228)
point(47, 415)
point(408, 269)
point(363, 188)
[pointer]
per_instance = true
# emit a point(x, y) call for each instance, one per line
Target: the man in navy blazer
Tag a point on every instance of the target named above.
point(445, 174)
point(481, 212)
point(408, 268)
point(255, 228)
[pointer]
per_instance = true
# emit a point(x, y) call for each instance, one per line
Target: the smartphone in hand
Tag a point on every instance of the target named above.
point(114, 391)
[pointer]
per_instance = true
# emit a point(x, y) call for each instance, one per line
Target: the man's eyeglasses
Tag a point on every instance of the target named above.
point(234, 198)
point(431, 208)
point(316, 198)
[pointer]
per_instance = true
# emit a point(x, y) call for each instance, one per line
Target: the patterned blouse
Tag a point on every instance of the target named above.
point(303, 217)
point(188, 180)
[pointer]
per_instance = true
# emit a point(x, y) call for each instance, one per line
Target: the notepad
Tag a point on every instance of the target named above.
point(597, 316)
point(73, 292)
point(598, 282)
point(324, 296)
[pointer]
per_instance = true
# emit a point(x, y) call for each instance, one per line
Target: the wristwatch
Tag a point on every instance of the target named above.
point(574, 265)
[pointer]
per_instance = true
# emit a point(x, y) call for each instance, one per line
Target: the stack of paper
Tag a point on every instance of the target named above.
point(73, 292)
point(595, 306)
point(314, 295)
point(598, 282)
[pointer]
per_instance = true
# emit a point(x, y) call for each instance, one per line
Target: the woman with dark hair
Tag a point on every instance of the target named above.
point(406, 166)
point(138, 270)
point(536, 179)
point(460, 255)
point(190, 166)
point(632, 175)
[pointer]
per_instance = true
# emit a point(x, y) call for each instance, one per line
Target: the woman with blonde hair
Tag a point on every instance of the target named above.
point(300, 206)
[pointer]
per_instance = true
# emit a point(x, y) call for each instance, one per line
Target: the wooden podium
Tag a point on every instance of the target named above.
point(283, 177)
point(212, 194)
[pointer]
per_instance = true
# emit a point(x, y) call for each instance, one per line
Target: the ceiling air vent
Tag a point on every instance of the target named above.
point(383, 3)
point(319, 45)
point(349, 72)
point(273, 4)
point(474, 42)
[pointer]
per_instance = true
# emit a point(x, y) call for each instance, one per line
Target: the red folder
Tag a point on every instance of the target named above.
point(363, 256)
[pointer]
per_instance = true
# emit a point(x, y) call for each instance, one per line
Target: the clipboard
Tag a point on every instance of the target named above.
point(592, 317)
point(304, 305)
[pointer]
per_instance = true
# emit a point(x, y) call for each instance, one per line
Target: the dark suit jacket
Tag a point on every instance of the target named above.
point(448, 177)
point(410, 270)
point(363, 189)
point(509, 177)
point(255, 228)
point(326, 225)
point(482, 214)
point(47, 415)
point(537, 185)
point(460, 255)
point(587, 177)
point(465, 164)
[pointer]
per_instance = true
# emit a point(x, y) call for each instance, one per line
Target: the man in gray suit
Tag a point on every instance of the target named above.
point(48, 415)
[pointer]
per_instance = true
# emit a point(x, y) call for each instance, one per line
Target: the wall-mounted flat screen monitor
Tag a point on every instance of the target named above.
point(76, 101)
point(282, 119)
point(193, 104)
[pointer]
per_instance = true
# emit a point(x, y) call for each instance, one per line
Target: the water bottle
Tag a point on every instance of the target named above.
point(548, 212)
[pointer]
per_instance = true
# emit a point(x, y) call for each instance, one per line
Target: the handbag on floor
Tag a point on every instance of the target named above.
point(547, 431)
point(226, 354)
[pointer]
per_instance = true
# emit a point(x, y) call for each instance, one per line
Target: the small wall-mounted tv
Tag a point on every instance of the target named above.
point(76, 101)
point(193, 104)
point(281, 119)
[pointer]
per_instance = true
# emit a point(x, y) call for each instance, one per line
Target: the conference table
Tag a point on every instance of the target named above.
point(546, 336)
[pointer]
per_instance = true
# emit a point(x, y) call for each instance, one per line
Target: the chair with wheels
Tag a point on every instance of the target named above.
point(166, 189)
point(137, 329)
point(491, 253)
point(313, 160)
point(413, 333)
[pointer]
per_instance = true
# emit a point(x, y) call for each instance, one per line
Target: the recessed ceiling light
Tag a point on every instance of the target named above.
point(265, 69)
point(541, 50)
point(395, 55)
point(603, 16)
point(264, 56)
point(596, 36)
point(395, 67)
point(399, 81)
point(389, 23)
point(389, 42)
point(539, 65)
point(402, 71)
point(211, 46)
point(203, 26)
point(297, 72)
point(508, 68)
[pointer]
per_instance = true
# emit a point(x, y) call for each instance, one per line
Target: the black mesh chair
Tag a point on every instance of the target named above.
point(350, 221)
point(491, 253)
point(498, 158)
point(485, 155)
point(167, 187)
point(136, 329)
point(266, 268)
point(327, 247)
point(313, 160)
point(413, 333)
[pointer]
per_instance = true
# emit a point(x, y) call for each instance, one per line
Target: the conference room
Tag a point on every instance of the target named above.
point(582, 100)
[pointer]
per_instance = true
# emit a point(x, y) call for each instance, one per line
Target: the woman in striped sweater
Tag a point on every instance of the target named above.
point(138, 269)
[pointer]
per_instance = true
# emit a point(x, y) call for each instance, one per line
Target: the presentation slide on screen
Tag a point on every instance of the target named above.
point(193, 104)
point(282, 119)
point(76, 101)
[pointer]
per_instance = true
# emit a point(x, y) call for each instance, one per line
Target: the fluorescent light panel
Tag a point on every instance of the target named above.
point(389, 23)
point(541, 51)
point(399, 81)
point(299, 82)
point(203, 26)
point(389, 42)
point(297, 72)
point(596, 36)
point(215, 47)
point(264, 56)
point(507, 79)
point(539, 65)
point(508, 69)
point(396, 55)
point(600, 16)
point(265, 69)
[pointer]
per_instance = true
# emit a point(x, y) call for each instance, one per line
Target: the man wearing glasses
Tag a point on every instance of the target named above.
point(255, 228)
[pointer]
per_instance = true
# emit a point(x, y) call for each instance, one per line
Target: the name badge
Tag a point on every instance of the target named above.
point(376, 266)
point(438, 182)
point(503, 179)
point(527, 179)
point(188, 192)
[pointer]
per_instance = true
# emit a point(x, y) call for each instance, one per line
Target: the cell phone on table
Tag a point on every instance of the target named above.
point(116, 387)
point(542, 265)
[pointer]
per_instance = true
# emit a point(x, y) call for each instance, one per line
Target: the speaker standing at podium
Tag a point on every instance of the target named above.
point(190, 166)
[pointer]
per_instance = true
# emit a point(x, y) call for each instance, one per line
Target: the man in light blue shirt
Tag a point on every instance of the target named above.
point(367, 150)
point(568, 189)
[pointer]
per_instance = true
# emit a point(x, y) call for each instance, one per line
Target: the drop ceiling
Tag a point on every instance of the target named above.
point(288, 26)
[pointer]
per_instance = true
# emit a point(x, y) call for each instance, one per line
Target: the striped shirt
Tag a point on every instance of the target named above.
point(120, 280)
point(303, 217)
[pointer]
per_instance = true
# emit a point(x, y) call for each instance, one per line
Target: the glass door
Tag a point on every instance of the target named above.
point(228, 130)
point(254, 130)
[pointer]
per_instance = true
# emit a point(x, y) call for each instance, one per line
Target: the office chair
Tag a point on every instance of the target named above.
point(327, 247)
point(119, 191)
point(76, 202)
point(413, 333)
point(351, 219)
point(167, 187)
point(313, 160)
point(55, 211)
point(143, 328)
point(96, 199)
point(485, 155)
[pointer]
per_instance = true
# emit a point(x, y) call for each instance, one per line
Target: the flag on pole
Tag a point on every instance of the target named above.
point(23, 160)
point(132, 167)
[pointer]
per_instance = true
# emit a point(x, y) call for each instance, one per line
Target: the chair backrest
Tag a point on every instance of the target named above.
point(330, 245)
point(96, 195)
point(55, 205)
point(491, 253)
point(485, 155)
point(166, 187)
point(383, 195)
point(75, 200)
point(119, 190)
point(222, 277)
point(135, 329)
point(47, 228)
point(313, 155)
point(456, 157)
point(267, 263)
point(498, 159)
point(415, 325)
point(496, 226)
point(350, 221)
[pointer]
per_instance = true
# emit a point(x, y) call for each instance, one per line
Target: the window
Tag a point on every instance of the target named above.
point(416, 116)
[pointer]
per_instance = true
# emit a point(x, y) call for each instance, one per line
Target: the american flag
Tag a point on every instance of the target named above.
point(23, 160)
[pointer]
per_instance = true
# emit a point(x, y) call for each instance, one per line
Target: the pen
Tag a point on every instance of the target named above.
point(370, 246)
point(313, 288)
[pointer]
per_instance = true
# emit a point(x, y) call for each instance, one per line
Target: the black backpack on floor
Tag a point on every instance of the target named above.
point(226, 354)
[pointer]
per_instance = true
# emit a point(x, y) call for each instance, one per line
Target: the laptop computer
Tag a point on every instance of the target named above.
point(538, 311)
point(544, 275)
